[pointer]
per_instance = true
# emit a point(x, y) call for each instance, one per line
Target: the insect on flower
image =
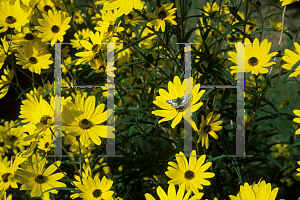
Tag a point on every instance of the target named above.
point(179, 102)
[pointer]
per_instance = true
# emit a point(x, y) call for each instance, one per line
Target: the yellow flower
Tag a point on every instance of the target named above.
point(287, 2)
point(83, 119)
point(31, 57)
point(256, 57)
point(297, 120)
point(53, 26)
point(208, 126)
point(172, 194)
point(133, 18)
point(5, 80)
point(275, 25)
point(292, 58)
point(258, 191)
point(94, 189)
point(125, 7)
point(298, 169)
point(176, 90)
point(107, 26)
point(33, 176)
point(83, 34)
point(192, 172)
point(78, 17)
point(165, 13)
point(12, 16)
point(92, 48)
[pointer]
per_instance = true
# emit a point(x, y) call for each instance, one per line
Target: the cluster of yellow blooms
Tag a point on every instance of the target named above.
point(32, 27)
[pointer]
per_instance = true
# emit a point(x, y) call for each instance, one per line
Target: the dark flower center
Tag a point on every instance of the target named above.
point(207, 128)
point(39, 179)
point(180, 109)
point(101, 68)
point(110, 28)
point(44, 119)
point(46, 145)
point(162, 15)
point(33, 60)
point(253, 61)
point(139, 81)
point(10, 20)
point(55, 29)
point(47, 7)
point(130, 16)
point(97, 193)
point(5, 177)
point(95, 48)
point(76, 17)
point(251, 28)
point(29, 36)
point(189, 175)
point(1, 144)
point(12, 138)
point(85, 124)
point(147, 65)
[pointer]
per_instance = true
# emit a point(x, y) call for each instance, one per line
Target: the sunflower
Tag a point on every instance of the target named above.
point(258, 191)
point(5, 80)
point(26, 35)
point(30, 57)
point(208, 126)
point(94, 189)
point(256, 57)
point(33, 176)
point(82, 120)
point(193, 172)
point(297, 120)
point(133, 18)
point(172, 194)
point(12, 16)
point(53, 26)
point(292, 58)
point(176, 90)
point(165, 13)
point(287, 2)
point(125, 7)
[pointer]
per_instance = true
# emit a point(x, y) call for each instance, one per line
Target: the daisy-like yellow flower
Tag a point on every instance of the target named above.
point(287, 2)
point(125, 7)
point(297, 120)
point(83, 34)
point(256, 57)
point(172, 194)
point(275, 25)
point(94, 189)
point(31, 57)
point(165, 13)
point(92, 48)
point(133, 18)
point(33, 176)
point(53, 26)
point(292, 58)
point(258, 191)
point(44, 5)
point(83, 119)
point(46, 143)
point(208, 126)
point(26, 35)
point(192, 172)
point(78, 17)
point(12, 16)
point(7, 174)
point(107, 26)
point(176, 90)
point(5, 80)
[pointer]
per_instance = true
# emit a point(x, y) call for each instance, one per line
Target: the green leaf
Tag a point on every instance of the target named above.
point(293, 145)
point(62, 188)
point(261, 30)
point(289, 72)
point(273, 160)
point(216, 158)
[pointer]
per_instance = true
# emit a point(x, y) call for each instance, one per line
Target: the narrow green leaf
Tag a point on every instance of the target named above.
point(273, 160)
